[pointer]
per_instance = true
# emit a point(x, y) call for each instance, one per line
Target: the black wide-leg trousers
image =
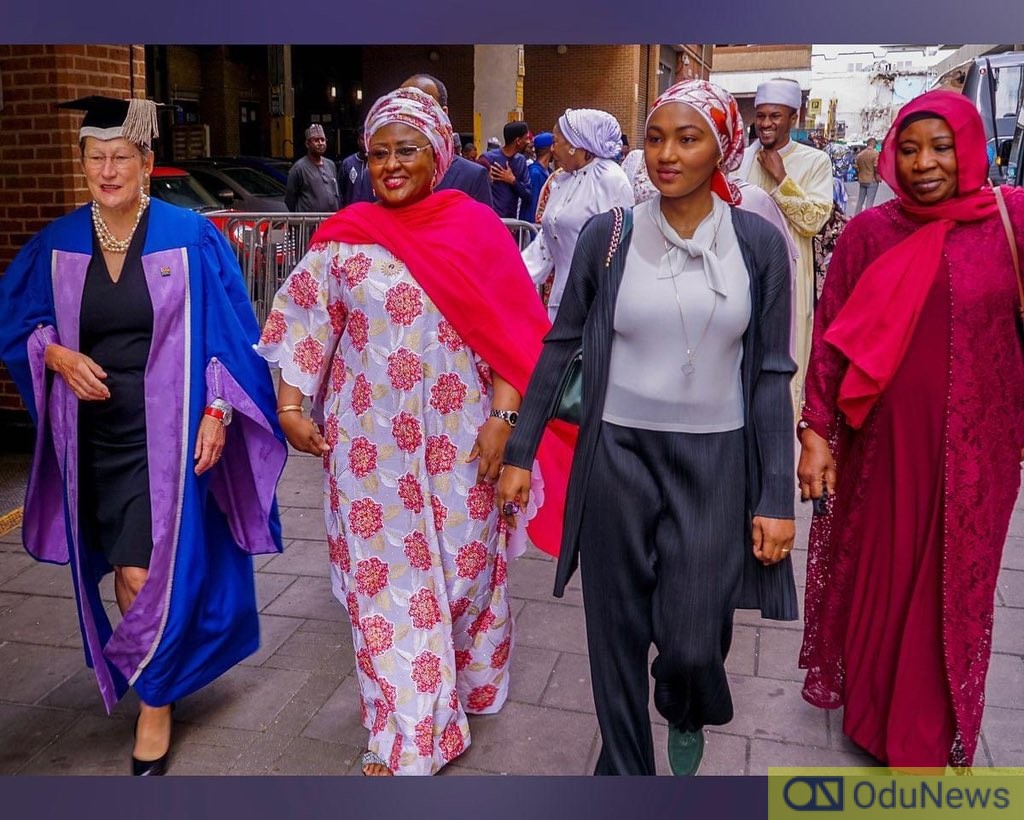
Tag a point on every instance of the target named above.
point(661, 557)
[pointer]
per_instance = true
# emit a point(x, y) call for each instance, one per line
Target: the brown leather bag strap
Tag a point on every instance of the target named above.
point(1001, 203)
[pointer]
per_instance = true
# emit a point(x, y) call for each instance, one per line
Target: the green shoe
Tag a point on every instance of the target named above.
point(685, 750)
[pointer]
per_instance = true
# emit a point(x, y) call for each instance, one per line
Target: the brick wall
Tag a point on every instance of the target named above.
point(40, 175)
point(586, 76)
point(387, 67)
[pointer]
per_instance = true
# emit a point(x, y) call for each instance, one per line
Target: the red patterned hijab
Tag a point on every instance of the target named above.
point(719, 110)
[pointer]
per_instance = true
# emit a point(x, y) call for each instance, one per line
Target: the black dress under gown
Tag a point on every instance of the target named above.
point(116, 332)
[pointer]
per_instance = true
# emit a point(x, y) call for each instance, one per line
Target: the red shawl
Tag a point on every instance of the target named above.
point(874, 327)
point(467, 263)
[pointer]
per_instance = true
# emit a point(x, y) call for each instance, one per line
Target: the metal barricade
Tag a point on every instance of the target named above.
point(269, 246)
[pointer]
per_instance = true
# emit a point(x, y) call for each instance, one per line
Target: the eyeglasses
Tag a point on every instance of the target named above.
point(100, 160)
point(405, 154)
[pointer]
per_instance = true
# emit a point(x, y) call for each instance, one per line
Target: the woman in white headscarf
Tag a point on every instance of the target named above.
point(587, 141)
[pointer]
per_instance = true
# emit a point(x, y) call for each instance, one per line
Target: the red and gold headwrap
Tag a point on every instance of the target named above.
point(418, 110)
point(719, 110)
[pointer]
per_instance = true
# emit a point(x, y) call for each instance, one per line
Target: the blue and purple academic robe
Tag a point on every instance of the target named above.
point(195, 616)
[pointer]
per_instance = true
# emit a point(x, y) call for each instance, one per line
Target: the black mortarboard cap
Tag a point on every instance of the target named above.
point(109, 118)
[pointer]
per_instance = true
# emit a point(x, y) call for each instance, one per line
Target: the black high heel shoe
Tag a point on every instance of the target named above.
point(152, 768)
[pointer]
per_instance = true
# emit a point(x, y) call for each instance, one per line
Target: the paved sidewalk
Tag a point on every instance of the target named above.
point(293, 707)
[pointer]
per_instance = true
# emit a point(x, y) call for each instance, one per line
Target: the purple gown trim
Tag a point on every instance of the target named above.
point(44, 529)
point(245, 480)
point(135, 640)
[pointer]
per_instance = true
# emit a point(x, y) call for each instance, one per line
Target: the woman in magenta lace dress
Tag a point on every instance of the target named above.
point(914, 421)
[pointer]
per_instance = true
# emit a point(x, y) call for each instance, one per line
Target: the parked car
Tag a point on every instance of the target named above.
point(178, 187)
point(238, 187)
point(273, 167)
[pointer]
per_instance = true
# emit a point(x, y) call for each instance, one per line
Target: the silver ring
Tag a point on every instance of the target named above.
point(510, 508)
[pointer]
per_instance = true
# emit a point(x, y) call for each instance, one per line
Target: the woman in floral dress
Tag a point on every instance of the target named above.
point(397, 323)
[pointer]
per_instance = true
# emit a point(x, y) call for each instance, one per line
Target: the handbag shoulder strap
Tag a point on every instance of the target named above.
point(1005, 216)
point(622, 224)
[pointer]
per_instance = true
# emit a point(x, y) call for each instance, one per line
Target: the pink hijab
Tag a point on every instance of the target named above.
point(874, 327)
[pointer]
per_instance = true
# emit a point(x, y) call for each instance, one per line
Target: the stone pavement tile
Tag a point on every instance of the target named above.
point(778, 653)
point(30, 671)
point(742, 656)
point(304, 524)
point(202, 734)
point(1013, 553)
point(50, 580)
point(11, 541)
point(774, 710)
point(723, 754)
point(570, 686)
point(307, 756)
point(769, 753)
point(454, 769)
point(340, 627)
point(35, 619)
point(530, 672)
point(534, 580)
point(1008, 632)
point(243, 698)
point(269, 586)
point(11, 565)
point(338, 720)
point(80, 693)
point(1005, 684)
point(312, 651)
point(191, 759)
point(527, 739)
point(552, 626)
point(73, 638)
point(750, 617)
point(1011, 587)
point(302, 491)
point(1004, 732)
point(25, 731)
point(302, 558)
point(260, 756)
point(308, 598)
point(1017, 523)
point(274, 631)
point(92, 746)
point(260, 561)
point(314, 694)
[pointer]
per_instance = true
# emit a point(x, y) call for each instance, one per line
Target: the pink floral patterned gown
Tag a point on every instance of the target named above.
point(415, 550)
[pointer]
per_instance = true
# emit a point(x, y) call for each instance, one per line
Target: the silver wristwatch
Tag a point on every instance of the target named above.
point(509, 416)
point(224, 408)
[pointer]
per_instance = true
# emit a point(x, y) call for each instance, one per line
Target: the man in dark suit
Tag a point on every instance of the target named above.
point(463, 175)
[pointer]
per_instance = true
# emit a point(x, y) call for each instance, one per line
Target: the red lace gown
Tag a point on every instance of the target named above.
point(901, 573)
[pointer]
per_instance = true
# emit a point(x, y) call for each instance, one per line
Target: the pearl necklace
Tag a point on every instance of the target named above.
point(108, 241)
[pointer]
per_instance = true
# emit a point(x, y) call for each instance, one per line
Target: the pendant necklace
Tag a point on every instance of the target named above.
point(689, 367)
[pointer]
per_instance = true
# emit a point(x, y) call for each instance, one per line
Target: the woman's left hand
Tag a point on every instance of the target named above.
point(489, 449)
point(773, 538)
point(209, 444)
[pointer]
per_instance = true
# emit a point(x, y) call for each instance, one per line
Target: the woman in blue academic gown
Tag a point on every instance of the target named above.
point(129, 332)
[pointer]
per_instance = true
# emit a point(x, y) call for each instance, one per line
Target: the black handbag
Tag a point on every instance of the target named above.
point(569, 398)
point(570, 392)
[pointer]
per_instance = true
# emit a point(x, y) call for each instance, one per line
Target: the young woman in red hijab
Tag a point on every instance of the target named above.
point(913, 422)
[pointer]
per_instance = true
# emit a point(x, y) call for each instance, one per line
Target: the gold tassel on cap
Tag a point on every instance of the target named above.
point(141, 126)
